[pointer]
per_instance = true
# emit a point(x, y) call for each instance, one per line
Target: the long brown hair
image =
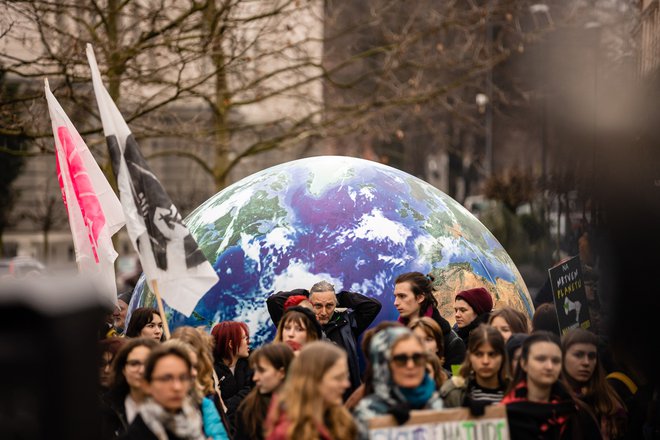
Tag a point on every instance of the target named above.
point(254, 407)
point(604, 401)
point(518, 322)
point(300, 400)
point(199, 343)
point(485, 334)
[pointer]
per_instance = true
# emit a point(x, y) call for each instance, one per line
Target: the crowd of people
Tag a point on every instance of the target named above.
point(308, 383)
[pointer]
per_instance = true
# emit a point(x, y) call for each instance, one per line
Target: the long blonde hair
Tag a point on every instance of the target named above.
point(300, 401)
point(199, 341)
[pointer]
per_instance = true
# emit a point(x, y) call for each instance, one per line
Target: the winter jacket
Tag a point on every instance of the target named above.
point(213, 426)
point(139, 431)
point(387, 398)
point(453, 391)
point(344, 328)
point(113, 416)
point(561, 418)
point(233, 387)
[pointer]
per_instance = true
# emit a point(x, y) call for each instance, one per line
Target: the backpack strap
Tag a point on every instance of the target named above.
point(627, 381)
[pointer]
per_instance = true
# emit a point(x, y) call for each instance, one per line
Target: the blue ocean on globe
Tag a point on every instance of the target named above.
point(355, 223)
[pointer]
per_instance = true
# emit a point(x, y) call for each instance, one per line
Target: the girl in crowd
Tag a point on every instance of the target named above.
point(270, 364)
point(508, 321)
point(310, 403)
point(120, 404)
point(145, 322)
point(471, 308)
point(538, 404)
point(298, 325)
point(108, 349)
point(483, 377)
point(231, 366)
point(168, 413)
point(367, 382)
point(203, 391)
point(513, 350)
point(400, 380)
point(585, 374)
point(413, 298)
point(430, 334)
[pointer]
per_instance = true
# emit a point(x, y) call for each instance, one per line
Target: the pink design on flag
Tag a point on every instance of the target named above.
point(60, 180)
point(82, 186)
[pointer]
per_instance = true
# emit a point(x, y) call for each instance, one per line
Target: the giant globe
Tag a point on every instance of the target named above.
point(355, 223)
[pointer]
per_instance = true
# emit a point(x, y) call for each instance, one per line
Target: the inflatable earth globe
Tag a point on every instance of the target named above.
point(355, 223)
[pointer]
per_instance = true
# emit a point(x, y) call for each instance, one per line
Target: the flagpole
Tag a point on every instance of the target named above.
point(166, 326)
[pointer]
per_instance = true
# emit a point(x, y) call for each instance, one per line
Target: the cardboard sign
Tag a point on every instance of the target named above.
point(450, 424)
point(569, 295)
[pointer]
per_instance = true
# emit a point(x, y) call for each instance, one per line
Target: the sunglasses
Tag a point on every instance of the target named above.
point(401, 360)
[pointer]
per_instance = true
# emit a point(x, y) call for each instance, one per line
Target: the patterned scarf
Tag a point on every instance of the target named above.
point(186, 424)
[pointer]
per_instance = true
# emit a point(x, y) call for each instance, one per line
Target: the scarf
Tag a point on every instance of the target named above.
point(186, 424)
point(418, 397)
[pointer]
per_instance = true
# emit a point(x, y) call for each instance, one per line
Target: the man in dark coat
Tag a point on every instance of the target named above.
point(341, 327)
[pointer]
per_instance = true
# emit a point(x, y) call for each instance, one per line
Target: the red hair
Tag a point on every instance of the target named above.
point(227, 332)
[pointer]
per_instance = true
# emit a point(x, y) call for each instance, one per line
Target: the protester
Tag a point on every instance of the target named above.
point(310, 403)
point(472, 307)
point(400, 381)
point(435, 370)
point(120, 404)
point(123, 300)
point(538, 404)
point(341, 327)
point(513, 350)
point(299, 325)
point(212, 424)
point(483, 377)
point(202, 358)
point(108, 349)
point(508, 321)
point(367, 383)
point(413, 298)
point(145, 322)
point(583, 371)
point(545, 319)
point(270, 364)
point(169, 412)
point(429, 332)
point(231, 366)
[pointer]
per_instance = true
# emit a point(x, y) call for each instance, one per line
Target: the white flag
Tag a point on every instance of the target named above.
point(168, 252)
point(94, 211)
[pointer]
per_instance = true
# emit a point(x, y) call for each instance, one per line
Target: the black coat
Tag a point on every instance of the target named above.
point(113, 416)
point(233, 387)
point(139, 431)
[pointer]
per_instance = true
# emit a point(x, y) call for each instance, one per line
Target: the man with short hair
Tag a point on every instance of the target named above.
point(341, 327)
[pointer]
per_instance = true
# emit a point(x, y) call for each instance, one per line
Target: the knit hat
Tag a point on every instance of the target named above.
point(515, 341)
point(478, 298)
point(309, 314)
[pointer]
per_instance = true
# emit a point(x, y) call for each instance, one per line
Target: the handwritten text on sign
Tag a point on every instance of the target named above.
point(455, 424)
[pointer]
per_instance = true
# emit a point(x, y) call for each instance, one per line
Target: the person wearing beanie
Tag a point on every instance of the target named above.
point(471, 308)
point(513, 350)
point(299, 324)
point(297, 300)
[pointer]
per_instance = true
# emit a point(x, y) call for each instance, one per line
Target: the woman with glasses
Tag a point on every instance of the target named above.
point(121, 402)
point(231, 351)
point(169, 412)
point(400, 381)
point(145, 322)
point(483, 377)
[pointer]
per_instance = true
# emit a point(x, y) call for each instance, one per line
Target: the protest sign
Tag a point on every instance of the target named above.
point(451, 424)
point(569, 295)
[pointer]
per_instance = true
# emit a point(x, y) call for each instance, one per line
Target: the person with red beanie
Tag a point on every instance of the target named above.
point(471, 308)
